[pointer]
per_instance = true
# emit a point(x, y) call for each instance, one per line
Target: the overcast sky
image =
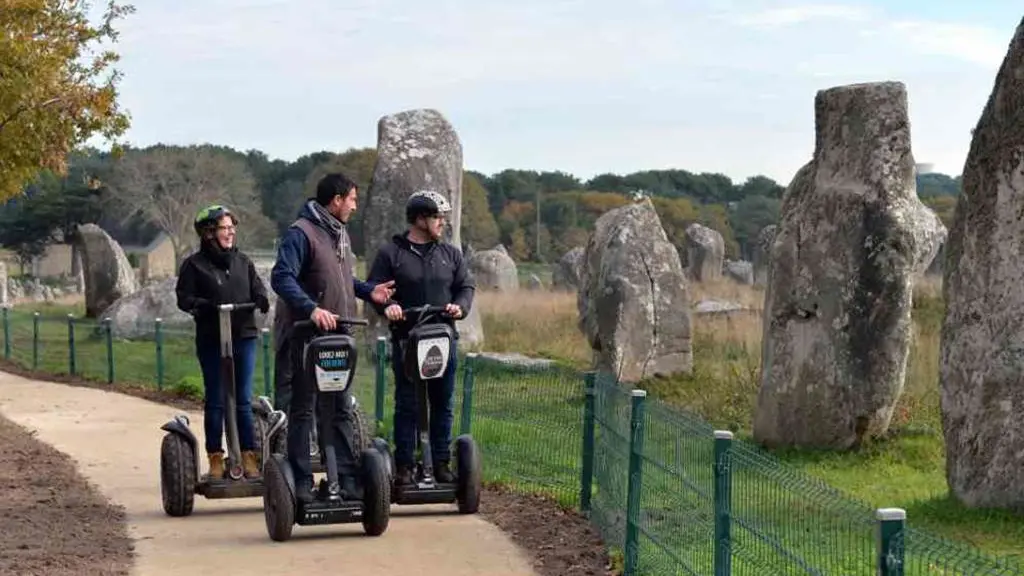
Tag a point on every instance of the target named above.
point(581, 86)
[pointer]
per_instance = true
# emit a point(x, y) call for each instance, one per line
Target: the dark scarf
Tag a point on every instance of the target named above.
point(220, 257)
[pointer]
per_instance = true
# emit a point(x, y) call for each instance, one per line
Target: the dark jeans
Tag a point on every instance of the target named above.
point(244, 352)
point(335, 408)
point(440, 398)
point(283, 377)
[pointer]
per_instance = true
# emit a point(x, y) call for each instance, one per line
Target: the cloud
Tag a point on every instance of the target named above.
point(774, 18)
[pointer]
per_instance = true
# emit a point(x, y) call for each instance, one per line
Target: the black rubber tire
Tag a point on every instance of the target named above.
point(470, 474)
point(363, 432)
point(177, 475)
point(381, 445)
point(376, 493)
point(278, 502)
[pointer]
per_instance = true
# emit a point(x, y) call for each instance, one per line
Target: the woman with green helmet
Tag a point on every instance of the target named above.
point(218, 273)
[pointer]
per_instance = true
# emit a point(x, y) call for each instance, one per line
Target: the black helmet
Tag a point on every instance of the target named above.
point(425, 203)
point(208, 217)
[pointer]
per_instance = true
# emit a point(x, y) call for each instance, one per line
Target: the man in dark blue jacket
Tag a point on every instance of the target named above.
point(425, 271)
point(313, 279)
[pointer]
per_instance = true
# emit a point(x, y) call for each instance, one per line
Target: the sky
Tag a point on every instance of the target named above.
point(585, 87)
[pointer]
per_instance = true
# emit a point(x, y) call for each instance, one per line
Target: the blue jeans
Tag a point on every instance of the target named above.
point(441, 399)
point(244, 351)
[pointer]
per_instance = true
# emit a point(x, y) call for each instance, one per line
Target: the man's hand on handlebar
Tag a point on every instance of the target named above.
point(453, 310)
point(323, 319)
point(394, 312)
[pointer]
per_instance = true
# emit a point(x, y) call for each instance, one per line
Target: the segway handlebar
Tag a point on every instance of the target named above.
point(338, 321)
point(239, 307)
point(426, 309)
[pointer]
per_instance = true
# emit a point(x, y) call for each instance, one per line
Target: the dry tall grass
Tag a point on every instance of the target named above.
point(727, 349)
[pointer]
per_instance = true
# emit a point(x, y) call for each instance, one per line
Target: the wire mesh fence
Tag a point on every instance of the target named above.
point(661, 485)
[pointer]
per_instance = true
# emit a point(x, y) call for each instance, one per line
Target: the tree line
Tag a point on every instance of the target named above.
point(137, 192)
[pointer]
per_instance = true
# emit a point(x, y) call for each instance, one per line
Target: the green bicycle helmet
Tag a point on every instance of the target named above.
point(207, 217)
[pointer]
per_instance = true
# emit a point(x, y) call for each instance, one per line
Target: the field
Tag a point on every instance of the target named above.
point(519, 418)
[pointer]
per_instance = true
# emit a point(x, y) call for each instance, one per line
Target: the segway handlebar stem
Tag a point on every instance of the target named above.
point(240, 307)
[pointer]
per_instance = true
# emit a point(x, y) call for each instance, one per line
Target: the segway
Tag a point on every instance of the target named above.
point(424, 357)
point(179, 451)
point(330, 361)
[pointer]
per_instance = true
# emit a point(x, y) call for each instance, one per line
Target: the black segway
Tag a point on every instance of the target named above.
point(179, 451)
point(425, 357)
point(330, 361)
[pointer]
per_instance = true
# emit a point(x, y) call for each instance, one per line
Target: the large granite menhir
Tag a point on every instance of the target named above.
point(633, 300)
point(851, 236)
point(108, 274)
point(982, 359)
point(416, 150)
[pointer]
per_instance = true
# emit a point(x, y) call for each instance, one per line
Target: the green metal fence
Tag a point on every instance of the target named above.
point(674, 495)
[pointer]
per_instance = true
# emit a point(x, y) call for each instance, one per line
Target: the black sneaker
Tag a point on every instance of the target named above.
point(443, 474)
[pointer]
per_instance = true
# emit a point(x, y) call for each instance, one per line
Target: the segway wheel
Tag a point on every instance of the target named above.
point(381, 445)
point(376, 493)
point(177, 475)
point(470, 474)
point(362, 430)
point(278, 502)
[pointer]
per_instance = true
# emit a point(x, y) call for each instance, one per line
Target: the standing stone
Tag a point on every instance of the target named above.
point(740, 270)
point(416, 150)
point(108, 274)
point(634, 303)
point(494, 270)
point(705, 252)
point(566, 273)
point(981, 367)
point(762, 254)
point(852, 235)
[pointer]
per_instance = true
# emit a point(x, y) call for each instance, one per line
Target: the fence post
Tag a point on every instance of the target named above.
point(635, 486)
point(891, 523)
point(265, 334)
point(7, 333)
point(467, 394)
point(158, 335)
point(723, 503)
point(587, 476)
point(71, 344)
point(108, 332)
point(380, 380)
point(35, 340)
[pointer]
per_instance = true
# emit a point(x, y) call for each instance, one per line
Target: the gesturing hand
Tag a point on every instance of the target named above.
point(382, 292)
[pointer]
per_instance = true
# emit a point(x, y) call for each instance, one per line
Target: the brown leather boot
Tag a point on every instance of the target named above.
point(216, 465)
point(250, 463)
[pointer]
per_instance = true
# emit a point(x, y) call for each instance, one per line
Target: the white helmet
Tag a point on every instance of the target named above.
point(426, 203)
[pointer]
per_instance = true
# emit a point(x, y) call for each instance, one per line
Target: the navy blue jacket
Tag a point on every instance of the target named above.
point(291, 257)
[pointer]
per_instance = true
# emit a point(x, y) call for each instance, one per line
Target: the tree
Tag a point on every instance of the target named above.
point(168, 185)
point(51, 99)
point(479, 229)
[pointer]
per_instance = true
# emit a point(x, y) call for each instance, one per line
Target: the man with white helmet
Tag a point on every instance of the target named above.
point(426, 270)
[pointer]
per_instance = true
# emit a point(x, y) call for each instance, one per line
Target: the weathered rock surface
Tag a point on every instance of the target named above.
point(494, 270)
point(851, 237)
point(566, 272)
point(740, 270)
point(633, 301)
point(705, 251)
point(762, 254)
point(981, 369)
point(416, 149)
point(108, 274)
point(535, 283)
